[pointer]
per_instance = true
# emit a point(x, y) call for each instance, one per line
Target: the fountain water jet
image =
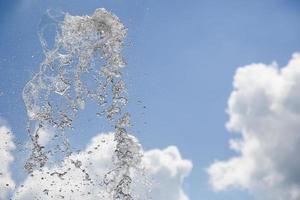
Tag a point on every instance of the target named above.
point(84, 63)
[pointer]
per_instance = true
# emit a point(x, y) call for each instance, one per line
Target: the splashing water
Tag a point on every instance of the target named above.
point(83, 64)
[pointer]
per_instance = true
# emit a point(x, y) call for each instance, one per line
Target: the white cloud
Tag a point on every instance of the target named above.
point(168, 170)
point(265, 108)
point(6, 158)
point(165, 167)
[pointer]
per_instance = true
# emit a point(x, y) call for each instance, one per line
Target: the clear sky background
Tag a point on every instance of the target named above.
point(182, 56)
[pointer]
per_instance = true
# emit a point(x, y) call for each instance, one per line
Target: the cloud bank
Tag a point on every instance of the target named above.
point(167, 170)
point(264, 108)
point(6, 158)
point(78, 177)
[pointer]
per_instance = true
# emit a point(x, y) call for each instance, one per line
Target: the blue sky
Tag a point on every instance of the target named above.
point(182, 56)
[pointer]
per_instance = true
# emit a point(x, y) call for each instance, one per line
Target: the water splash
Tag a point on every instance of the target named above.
point(83, 63)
